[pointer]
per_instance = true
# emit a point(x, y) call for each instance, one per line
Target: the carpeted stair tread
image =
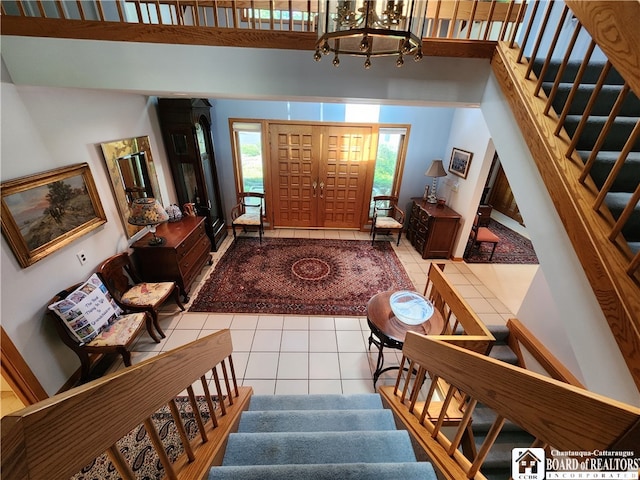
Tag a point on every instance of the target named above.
point(504, 354)
point(483, 418)
point(499, 332)
point(316, 402)
point(591, 74)
point(617, 201)
point(629, 175)
point(316, 421)
point(282, 448)
point(331, 471)
point(500, 454)
point(607, 97)
point(615, 140)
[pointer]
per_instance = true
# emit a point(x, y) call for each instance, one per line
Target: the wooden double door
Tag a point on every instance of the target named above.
point(321, 175)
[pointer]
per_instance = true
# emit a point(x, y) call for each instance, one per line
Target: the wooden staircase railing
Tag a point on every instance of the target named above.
point(462, 326)
point(610, 265)
point(37, 441)
point(521, 338)
point(580, 421)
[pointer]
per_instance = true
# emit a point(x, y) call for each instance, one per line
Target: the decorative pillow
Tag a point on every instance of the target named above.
point(87, 310)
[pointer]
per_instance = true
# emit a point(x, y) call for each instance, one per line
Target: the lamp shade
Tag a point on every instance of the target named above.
point(146, 211)
point(436, 169)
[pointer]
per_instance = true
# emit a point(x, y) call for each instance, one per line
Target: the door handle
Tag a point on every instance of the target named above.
point(314, 184)
point(321, 189)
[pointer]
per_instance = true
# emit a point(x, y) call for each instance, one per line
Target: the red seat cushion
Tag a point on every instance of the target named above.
point(486, 235)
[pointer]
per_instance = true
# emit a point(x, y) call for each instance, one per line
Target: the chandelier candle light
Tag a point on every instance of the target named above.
point(435, 170)
point(371, 29)
point(148, 212)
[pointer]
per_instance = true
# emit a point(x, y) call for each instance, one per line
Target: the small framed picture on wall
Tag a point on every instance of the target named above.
point(460, 161)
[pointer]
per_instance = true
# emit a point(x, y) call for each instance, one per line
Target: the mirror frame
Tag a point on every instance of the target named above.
point(112, 151)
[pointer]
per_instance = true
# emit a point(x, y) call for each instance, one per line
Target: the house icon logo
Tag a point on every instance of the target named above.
point(527, 463)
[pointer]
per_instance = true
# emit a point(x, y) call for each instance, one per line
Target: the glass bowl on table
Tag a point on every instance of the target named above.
point(410, 307)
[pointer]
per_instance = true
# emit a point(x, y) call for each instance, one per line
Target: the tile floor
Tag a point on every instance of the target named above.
point(283, 354)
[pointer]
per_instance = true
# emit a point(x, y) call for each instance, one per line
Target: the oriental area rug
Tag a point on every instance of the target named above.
point(137, 449)
point(301, 277)
point(513, 248)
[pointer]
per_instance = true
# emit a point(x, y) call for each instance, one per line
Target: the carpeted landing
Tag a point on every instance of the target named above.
point(292, 437)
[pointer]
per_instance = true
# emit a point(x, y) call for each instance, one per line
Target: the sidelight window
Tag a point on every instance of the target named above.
point(248, 153)
point(389, 157)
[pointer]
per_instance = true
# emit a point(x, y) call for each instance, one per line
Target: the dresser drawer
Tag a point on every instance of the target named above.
point(192, 257)
point(188, 243)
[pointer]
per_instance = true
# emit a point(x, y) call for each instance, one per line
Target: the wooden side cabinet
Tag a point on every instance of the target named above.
point(432, 230)
point(180, 258)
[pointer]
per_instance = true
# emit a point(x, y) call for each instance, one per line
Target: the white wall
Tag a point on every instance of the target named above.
point(43, 129)
point(225, 72)
point(468, 132)
point(577, 311)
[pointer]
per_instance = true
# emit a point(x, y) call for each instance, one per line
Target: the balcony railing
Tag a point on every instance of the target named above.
point(460, 20)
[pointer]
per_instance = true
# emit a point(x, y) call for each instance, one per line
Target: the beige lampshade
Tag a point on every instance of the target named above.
point(436, 169)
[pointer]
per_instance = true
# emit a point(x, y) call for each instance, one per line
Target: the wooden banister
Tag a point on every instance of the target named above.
point(558, 415)
point(519, 334)
point(105, 410)
point(582, 420)
point(462, 326)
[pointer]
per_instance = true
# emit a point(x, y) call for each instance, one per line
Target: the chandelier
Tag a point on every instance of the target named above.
point(371, 29)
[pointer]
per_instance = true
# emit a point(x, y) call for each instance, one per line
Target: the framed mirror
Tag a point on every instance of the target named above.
point(133, 175)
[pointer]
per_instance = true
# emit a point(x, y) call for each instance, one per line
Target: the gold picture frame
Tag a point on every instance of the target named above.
point(131, 167)
point(44, 212)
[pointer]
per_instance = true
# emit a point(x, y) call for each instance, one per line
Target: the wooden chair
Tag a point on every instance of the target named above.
point(131, 293)
point(248, 213)
point(116, 338)
point(480, 235)
point(484, 213)
point(387, 217)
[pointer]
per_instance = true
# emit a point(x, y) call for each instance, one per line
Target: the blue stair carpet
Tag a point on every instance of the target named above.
point(319, 437)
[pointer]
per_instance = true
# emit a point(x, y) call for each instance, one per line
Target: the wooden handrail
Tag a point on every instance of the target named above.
point(582, 421)
point(462, 326)
point(101, 412)
point(521, 335)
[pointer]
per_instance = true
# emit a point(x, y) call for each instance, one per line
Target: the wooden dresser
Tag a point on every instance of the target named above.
point(432, 230)
point(180, 258)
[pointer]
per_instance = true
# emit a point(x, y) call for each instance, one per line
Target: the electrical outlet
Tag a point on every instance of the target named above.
point(82, 257)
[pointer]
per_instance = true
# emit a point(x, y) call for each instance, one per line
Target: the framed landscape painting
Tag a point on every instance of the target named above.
point(44, 212)
point(460, 161)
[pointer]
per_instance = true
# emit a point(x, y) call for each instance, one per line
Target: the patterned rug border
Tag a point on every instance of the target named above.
point(389, 274)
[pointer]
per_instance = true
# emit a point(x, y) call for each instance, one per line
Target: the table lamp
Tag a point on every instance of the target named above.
point(435, 170)
point(148, 212)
